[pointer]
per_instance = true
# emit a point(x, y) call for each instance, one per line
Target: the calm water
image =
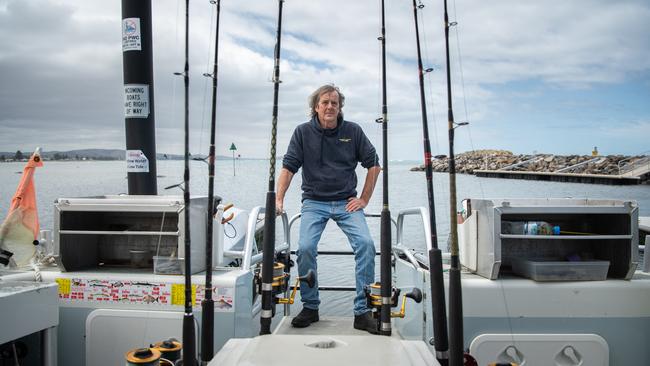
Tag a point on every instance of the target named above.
point(248, 188)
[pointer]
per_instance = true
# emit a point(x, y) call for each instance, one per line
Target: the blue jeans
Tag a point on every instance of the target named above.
point(315, 215)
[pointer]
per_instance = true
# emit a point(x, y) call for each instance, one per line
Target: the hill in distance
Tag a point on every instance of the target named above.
point(94, 154)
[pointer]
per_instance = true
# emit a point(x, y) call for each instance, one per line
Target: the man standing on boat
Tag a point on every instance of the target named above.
point(328, 149)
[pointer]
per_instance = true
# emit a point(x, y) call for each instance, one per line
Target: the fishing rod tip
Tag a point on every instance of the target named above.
point(459, 124)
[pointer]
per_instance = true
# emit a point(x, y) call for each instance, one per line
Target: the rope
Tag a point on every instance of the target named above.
point(162, 223)
point(37, 272)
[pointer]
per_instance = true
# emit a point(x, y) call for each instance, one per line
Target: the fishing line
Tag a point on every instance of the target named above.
point(146, 322)
point(268, 305)
point(162, 223)
point(462, 80)
point(207, 305)
point(460, 64)
point(377, 129)
point(189, 338)
point(205, 84)
point(429, 79)
point(480, 184)
point(437, 183)
point(384, 324)
point(456, 331)
point(435, 256)
point(173, 106)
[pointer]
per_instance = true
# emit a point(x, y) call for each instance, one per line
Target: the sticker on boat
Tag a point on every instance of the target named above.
point(111, 291)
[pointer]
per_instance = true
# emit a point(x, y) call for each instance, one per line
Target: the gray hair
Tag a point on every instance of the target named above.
point(325, 89)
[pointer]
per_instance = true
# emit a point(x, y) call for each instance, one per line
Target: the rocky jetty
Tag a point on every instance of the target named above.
point(470, 161)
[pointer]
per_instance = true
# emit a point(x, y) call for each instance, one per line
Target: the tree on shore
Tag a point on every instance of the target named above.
point(19, 155)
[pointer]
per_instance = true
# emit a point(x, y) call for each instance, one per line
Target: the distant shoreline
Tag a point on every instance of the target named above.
point(92, 155)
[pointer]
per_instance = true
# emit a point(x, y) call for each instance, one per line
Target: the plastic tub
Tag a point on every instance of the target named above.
point(168, 265)
point(560, 270)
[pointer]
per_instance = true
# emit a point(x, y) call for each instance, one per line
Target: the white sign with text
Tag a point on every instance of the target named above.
point(136, 100)
point(136, 162)
point(131, 37)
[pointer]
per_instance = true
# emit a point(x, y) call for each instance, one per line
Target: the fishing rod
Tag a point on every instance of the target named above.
point(438, 306)
point(207, 305)
point(456, 346)
point(385, 242)
point(269, 212)
point(189, 341)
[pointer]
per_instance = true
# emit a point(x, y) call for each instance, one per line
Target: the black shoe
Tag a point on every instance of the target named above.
point(305, 317)
point(366, 322)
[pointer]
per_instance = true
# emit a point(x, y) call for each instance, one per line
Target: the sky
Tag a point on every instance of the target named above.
point(529, 76)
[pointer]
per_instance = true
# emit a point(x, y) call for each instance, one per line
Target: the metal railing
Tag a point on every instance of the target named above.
point(399, 247)
point(525, 162)
point(249, 254)
point(629, 164)
point(595, 160)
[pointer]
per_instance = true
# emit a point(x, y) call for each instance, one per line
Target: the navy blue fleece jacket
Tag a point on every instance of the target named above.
point(328, 158)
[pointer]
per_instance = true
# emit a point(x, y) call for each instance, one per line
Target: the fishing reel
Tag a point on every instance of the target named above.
point(170, 349)
point(280, 283)
point(165, 353)
point(373, 296)
point(309, 278)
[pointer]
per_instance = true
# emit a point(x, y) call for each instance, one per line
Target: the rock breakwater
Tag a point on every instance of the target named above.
point(470, 161)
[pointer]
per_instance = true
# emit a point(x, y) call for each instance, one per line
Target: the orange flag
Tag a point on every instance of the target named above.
point(19, 232)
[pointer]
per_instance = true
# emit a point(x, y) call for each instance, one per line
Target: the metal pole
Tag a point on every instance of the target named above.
point(139, 118)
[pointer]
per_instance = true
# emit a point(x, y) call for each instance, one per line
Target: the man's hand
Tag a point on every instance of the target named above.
point(283, 184)
point(278, 206)
point(355, 204)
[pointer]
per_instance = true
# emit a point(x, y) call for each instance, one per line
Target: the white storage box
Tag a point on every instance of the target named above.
point(105, 231)
point(495, 235)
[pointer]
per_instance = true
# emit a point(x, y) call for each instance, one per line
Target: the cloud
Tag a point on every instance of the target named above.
point(520, 68)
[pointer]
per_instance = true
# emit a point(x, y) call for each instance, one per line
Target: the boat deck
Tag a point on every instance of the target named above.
point(330, 341)
point(325, 326)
